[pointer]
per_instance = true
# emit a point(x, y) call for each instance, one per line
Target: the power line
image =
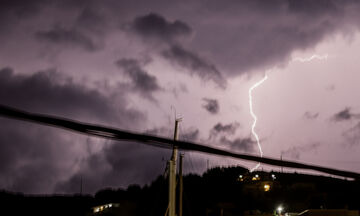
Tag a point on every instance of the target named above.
point(111, 133)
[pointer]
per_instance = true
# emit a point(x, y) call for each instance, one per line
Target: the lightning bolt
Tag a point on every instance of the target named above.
point(302, 60)
point(255, 118)
point(318, 57)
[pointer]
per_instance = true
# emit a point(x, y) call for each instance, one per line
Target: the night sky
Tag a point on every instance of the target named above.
point(131, 64)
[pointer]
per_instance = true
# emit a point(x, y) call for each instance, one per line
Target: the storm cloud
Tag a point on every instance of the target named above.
point(142, 81)
point(211, 105)
point(243, 29)
point(155, 27)
point(290, 25)
point(35, 158)
point(119, 164)
point(239, 144)
point(196, 65)
point(69, 37)
point(227, 129)
point(44, 92)
point(345, 115)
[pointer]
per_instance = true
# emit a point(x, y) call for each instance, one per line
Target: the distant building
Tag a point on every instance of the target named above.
point(114, 209)
point(105, 207)
point(258, 181)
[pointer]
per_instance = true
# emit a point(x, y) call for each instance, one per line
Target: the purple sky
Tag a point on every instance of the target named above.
point(127, 63)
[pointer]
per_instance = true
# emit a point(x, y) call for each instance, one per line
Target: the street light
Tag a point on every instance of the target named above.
point(280, 209)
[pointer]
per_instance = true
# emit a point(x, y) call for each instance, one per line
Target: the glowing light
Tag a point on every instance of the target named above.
point(280, 208)
point(255, 178)
point(266, 187)
point(255, 118)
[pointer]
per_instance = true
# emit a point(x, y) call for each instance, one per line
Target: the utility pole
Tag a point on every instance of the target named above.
point(181, 185)
point(172, 172)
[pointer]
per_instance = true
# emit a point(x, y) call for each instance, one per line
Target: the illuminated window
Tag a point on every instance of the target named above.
point(256, 177)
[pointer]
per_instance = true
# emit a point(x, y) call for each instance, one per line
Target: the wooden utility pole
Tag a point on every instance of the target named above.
point(172, 172)
point(181, 185)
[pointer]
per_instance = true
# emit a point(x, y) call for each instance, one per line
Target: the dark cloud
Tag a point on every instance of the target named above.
point(240, 144)
point(33, 158)
point(345, 115)
point(310, 115)
point(124, 163)
point(142, 81)
point(256, 35)
point(211, 105)
point(220, 134)
point(12, 12)
point(21, 8)
point(195, 64)
point(91, 19)
point(155, 27)
point(228, 129)
point(296, 151)
point(44, 92)
point(191, 134)
point(68, 37)
point(118, 165)
point(250, 35)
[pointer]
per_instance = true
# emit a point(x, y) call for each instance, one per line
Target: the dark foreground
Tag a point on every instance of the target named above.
point(226, 191)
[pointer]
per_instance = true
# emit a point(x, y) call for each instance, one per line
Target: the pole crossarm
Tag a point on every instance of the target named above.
point(122, 135)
